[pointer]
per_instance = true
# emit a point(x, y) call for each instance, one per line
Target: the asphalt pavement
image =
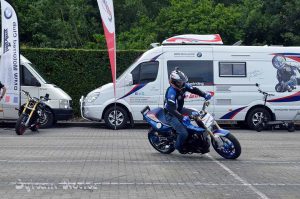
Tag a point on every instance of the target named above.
point(93, 162)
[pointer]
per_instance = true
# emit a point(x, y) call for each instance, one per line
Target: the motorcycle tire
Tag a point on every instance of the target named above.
point(160, 147)
point(226, 151)
point(34, 128)
point(20, 125)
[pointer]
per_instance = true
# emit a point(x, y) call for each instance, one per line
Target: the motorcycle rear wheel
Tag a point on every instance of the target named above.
point(20, 125)
point(231, 149)
point(159, 144)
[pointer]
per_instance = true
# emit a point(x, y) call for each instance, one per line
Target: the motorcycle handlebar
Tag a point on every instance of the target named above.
point(27, 94)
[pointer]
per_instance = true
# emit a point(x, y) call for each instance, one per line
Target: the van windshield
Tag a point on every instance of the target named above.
point(39, 74)
point(126, 71)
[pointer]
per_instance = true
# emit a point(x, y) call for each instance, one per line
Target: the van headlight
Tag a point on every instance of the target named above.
point(64, 104)
point(92, 97)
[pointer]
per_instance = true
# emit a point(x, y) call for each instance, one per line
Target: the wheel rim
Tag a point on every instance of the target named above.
point(228, 148)
point(257, 118)
point(43, 118)
point(119, 117)
point(159, 143)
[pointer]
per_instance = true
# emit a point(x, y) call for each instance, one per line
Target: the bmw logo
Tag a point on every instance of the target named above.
point(8, 13)
point(199, 54)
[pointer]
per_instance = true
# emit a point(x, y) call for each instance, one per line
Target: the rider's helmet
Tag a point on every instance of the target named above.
point(279, 62)
point(178, 78)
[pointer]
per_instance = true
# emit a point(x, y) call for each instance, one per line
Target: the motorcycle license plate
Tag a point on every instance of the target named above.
point(208, 120)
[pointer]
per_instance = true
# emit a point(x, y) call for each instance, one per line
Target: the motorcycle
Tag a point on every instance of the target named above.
point(202, 130)
point(32, 113)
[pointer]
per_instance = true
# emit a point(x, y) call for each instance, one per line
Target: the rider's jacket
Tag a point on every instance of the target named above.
point(174, 99)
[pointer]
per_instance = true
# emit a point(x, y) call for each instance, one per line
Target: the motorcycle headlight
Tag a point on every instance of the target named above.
point(92, 97)
point(64, 104)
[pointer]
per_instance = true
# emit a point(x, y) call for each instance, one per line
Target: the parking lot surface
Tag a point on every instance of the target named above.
point(93, 162)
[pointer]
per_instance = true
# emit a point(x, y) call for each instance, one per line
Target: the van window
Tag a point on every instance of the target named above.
point(145, 72)
point(198, 72)
point(27, 79)
point(227, 69)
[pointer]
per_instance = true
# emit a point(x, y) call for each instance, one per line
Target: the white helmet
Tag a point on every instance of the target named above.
point(178, 78)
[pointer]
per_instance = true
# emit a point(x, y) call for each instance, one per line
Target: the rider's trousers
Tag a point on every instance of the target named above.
point(180, 129)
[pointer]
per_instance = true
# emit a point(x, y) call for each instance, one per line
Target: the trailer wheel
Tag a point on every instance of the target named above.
point(256, 115)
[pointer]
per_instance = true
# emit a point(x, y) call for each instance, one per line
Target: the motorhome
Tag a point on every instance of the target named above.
point(59, 105)
point(230, 73)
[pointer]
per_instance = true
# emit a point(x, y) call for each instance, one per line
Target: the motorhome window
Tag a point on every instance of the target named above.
point(232, 69)
point(27, 78)
point(198, 72)
point(145, 72)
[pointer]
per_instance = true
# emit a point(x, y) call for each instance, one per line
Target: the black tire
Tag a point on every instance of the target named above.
point(20, 125)
point(259, 127)
point(160, 147)
point(121, 120)
point(291, 127)
point(47, 120)
point(254, 117)
point(229, 153)
point(34, 128)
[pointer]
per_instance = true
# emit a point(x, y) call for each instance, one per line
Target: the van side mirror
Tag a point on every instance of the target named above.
point(128, 79)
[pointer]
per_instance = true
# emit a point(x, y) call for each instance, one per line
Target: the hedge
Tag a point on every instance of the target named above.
point(77, 71)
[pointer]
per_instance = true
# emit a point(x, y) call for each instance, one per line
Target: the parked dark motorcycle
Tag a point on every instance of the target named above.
point(264, 122)
point(202, 130)
point(32, 113)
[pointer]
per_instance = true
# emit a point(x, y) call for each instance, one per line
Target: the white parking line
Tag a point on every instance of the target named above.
point(148, 161)
point(244, 182)
point(151, 183)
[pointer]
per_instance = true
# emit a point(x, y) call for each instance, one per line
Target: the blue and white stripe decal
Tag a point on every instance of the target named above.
point(156, 57)
point(292, 98)
point(133, 90)
point(232, 114)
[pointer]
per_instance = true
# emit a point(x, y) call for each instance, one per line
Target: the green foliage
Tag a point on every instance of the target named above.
point(200, 17)
point(77, 23)
point(78, 71)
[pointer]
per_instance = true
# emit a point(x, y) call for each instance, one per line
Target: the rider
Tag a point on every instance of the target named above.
point(3, 88)
point(174, 101)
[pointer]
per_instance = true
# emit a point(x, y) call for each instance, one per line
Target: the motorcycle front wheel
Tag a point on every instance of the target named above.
point(20, 125)
point(231, 148)
point(160, 143)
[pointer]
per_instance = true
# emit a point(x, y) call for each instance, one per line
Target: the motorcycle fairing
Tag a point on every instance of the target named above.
point(221, 132)
point(156, 118)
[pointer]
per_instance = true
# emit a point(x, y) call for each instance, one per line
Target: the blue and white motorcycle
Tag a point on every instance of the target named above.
point(202, 130)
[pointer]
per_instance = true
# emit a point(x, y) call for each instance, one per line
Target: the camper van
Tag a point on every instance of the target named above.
point(230, 73)
point(59, 105)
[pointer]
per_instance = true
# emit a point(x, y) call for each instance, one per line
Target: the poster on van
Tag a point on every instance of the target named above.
point(288, 71)
point(10, 58)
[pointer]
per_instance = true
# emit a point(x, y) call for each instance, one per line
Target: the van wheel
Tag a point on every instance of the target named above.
point(121, 117)
point(47, 119)
point(256, 115)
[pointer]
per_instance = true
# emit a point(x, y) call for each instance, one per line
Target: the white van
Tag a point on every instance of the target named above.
point(229, 72)
point(60, 103)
